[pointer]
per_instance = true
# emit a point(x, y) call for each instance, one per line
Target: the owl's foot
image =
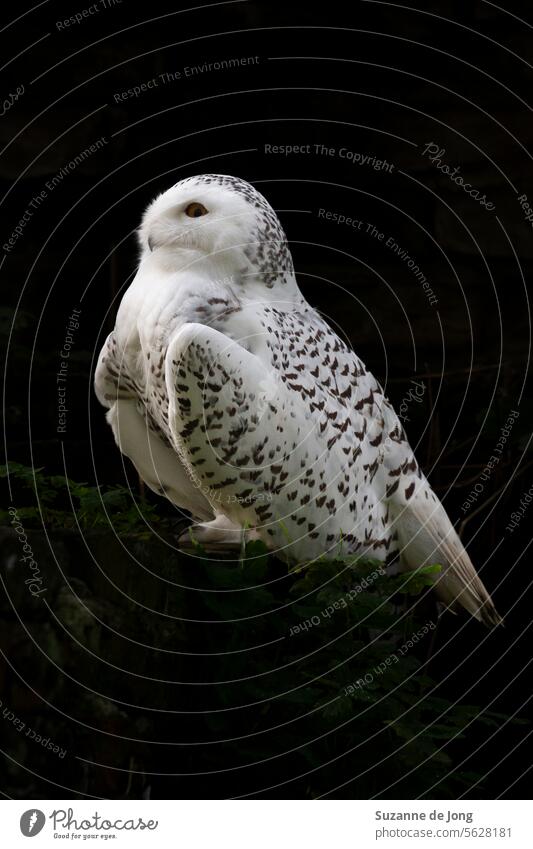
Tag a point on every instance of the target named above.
point(219, 535)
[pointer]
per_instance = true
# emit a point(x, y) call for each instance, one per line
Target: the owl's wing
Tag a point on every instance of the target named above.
point(233, 423)
point(108, 376)
point(352, 419)
point(273, 446)
point(351, 409)
point(309, 427)
point(138, 438)
point(427, 536)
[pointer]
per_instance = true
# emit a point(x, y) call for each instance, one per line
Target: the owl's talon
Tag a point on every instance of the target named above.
point(219, 535)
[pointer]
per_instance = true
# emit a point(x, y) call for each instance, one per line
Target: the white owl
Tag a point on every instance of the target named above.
point(236, 400)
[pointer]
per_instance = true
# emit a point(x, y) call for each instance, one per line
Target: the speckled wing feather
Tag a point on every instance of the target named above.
point(140, 431)
point(328, 461)
point(306, 471)
point(396, 492)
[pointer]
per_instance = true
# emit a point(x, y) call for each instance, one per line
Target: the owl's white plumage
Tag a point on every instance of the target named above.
point(235, 399)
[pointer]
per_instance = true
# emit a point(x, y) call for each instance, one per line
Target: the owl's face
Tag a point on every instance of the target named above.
point(220, 216)
point(196, 215)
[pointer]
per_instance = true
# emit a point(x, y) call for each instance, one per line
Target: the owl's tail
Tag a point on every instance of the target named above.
point(427, 536)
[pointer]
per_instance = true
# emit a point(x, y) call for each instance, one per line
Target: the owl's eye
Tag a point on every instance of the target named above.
point(195, 210)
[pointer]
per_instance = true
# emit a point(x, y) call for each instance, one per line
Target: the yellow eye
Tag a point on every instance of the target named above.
point(195, 210)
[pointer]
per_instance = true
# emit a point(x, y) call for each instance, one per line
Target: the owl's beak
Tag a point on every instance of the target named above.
point(150, 243)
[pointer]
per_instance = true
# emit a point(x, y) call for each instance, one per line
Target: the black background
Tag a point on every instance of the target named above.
point(377, 79)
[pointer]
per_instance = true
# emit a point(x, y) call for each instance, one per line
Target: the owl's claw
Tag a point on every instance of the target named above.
point(219, 535)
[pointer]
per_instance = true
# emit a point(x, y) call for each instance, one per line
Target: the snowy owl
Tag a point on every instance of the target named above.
point(234, 398)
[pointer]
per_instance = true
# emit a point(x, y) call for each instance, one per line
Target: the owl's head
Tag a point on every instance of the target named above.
point(224, 217)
